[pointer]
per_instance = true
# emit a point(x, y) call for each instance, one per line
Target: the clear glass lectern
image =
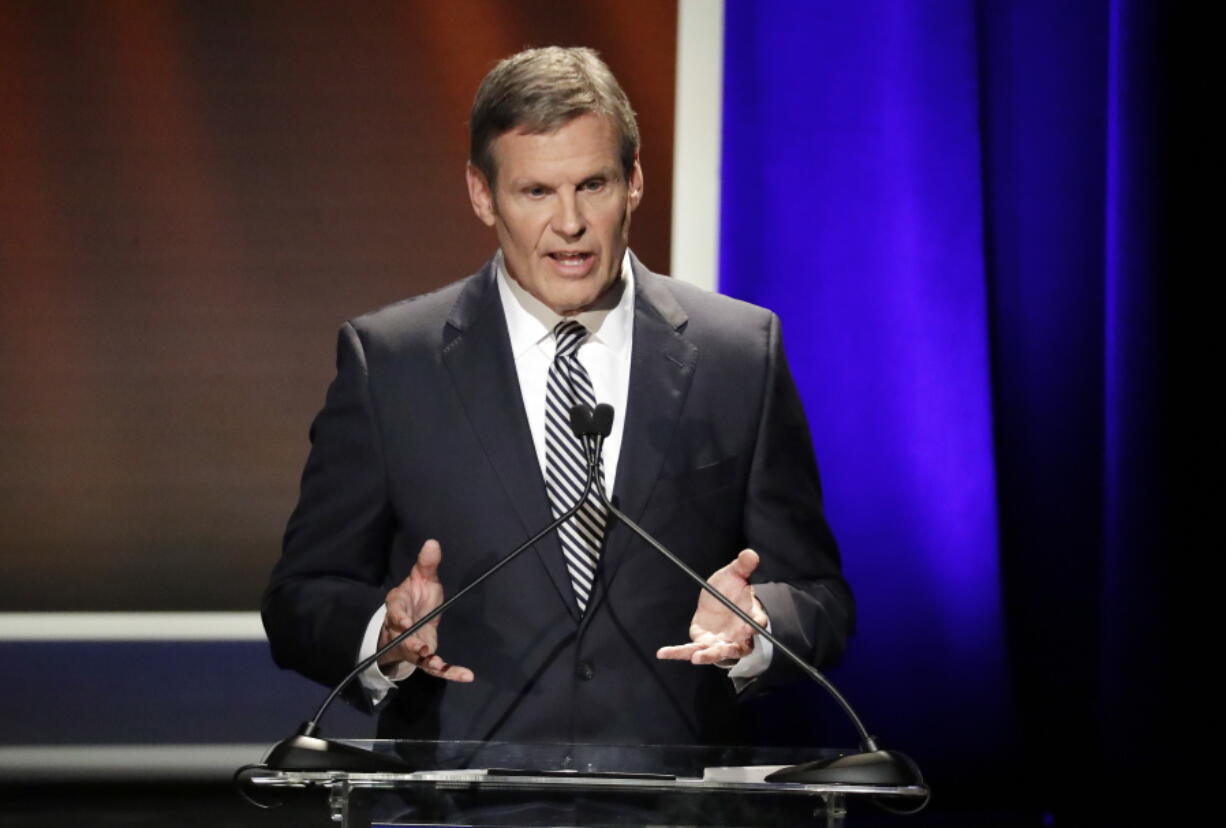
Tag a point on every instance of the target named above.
point(508, 784)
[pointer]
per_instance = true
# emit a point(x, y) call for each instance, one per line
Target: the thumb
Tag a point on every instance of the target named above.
point(744, 565)
point(428, 559)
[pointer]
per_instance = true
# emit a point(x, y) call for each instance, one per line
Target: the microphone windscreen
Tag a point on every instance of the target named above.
point(581, 420)
point(602, 419)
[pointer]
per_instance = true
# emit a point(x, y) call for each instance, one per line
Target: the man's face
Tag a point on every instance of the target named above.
point(561, 206)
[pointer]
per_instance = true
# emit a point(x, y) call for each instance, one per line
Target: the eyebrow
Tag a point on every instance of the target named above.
point(608, 173)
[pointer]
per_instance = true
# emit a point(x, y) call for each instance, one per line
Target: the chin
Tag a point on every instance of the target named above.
point(572, 308)
point(573, 302)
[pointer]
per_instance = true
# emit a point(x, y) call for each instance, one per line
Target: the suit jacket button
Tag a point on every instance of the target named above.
point(585, 670)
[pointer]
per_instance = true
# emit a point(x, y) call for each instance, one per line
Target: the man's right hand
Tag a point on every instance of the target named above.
point(417, 595)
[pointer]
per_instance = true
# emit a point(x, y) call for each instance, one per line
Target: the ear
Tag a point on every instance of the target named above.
point(635, 185)
point(480, 194)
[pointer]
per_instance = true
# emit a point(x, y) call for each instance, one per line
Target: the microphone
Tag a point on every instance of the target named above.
point(602, 419)
point(871, 766)
point(305, 751)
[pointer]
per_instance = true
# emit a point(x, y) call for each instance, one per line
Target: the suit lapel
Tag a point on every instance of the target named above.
point(661, 366)
point(477, 354)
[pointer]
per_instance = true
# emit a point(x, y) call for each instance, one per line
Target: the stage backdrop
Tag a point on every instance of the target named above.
point(193, 197)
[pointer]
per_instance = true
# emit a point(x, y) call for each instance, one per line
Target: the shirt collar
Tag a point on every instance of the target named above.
point(530, 321)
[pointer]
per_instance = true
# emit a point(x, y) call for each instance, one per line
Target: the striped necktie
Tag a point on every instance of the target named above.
point(565, 464)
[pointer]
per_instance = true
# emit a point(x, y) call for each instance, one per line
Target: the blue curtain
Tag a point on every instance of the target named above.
point(951, 206)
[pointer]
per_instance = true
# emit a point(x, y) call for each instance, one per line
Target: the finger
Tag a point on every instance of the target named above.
point(722, 651)
point(744, 565)
point(454, 672)
point(740, 568)
point(411, 651)
point(435, 666)
point(403, 613)
point(399, 604)
point(428, 558)
point(398, 617)
point(678, 652)
point(397, 597)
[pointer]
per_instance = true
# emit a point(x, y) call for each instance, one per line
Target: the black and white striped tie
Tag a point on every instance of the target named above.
point(565, 464)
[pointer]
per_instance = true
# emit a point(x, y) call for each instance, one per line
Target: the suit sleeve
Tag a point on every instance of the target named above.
point(334, 559)
point(799, 581)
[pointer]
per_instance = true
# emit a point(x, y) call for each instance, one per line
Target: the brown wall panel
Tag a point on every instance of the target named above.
point(193, 196)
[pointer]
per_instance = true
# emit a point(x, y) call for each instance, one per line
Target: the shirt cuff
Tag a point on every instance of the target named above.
point(757, 661)
point(376, 682)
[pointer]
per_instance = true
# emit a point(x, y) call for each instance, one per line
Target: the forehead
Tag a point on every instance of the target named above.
point(584, 146)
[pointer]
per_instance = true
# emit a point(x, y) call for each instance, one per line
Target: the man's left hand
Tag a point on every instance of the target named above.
point(715, 633)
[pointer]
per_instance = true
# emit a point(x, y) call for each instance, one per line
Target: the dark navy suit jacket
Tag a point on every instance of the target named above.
point(423, 435)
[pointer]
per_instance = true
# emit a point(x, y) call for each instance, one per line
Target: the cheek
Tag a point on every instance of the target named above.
point(614, 217)
point(526, 231)
point(623, 222)
point(516, 234)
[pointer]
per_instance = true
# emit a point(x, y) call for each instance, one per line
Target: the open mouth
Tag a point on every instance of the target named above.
point(571, 259)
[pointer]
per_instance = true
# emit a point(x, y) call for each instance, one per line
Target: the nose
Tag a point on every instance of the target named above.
point(568, 220)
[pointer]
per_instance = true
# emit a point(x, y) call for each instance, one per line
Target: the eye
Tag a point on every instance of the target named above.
point(593, 185)
point(534, 192)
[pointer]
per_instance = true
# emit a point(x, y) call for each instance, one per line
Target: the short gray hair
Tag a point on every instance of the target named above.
point(541, 90)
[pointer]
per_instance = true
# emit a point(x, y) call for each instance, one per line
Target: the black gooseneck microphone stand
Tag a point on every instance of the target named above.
point(872, 766)
point(305, 751)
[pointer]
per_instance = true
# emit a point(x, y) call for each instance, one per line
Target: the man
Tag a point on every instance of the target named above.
point(440, 448)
